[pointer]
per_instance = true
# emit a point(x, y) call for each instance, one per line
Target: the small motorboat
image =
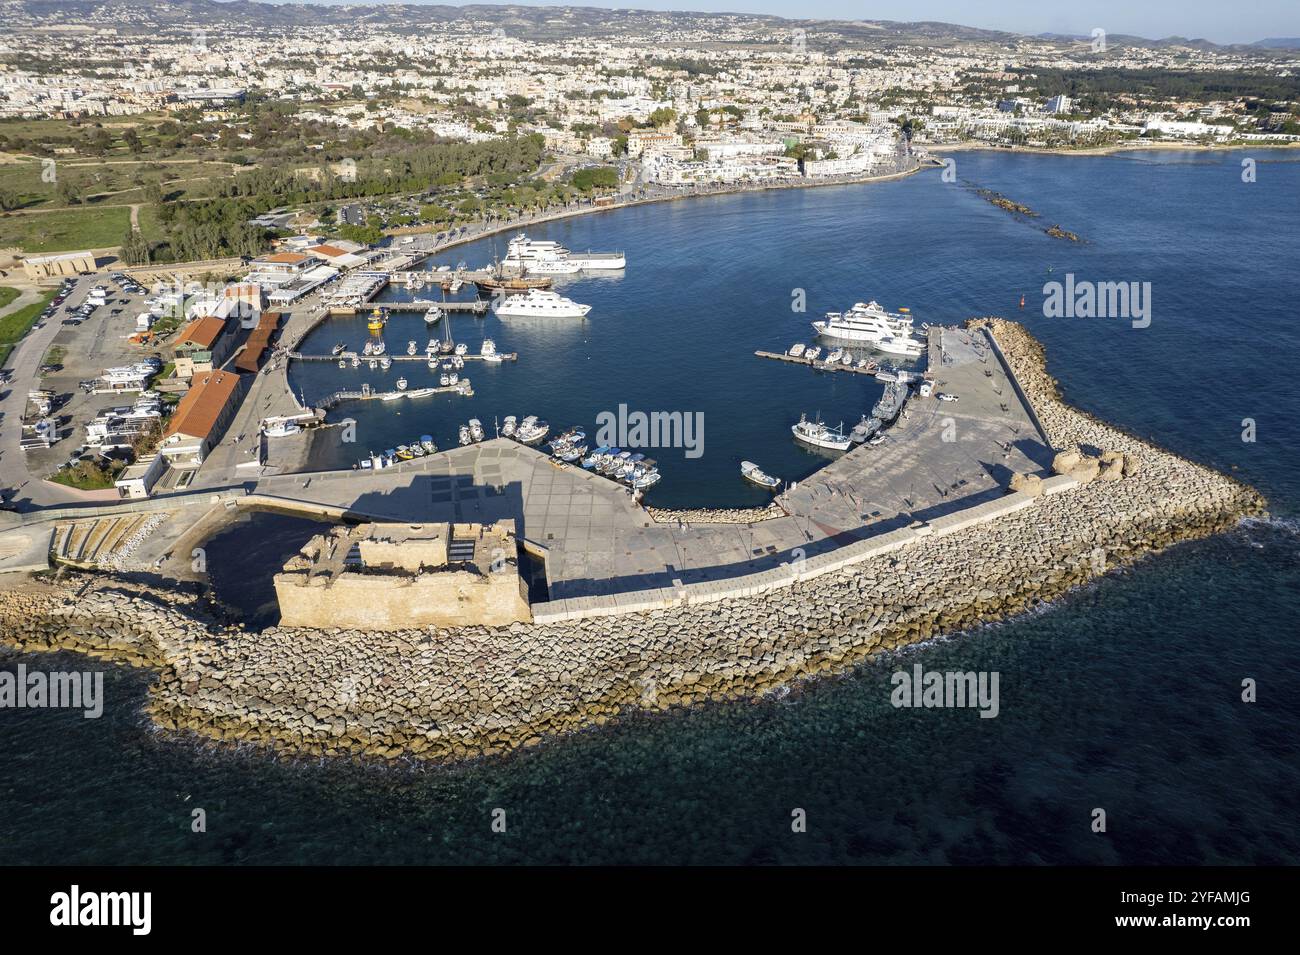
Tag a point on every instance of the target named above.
point(647, 480)
point(476, 429)
point(343, 363)
point(444, 380)
point(426, 442)
point(404, 453)
point(508, 426)
point(411, 347)
point(796, 350)
point(401, 384)
point(489, 351)
point(752, 472)
point(464, 435)
point(461, 349)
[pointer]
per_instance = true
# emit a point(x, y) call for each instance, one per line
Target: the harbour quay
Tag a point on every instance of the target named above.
point(973, 510)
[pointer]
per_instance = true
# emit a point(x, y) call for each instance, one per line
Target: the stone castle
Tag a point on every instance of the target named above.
point(404, 576)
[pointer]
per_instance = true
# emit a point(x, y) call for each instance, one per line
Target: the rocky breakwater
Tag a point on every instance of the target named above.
point(103, 618)
point(455, 693)
point(718, 515)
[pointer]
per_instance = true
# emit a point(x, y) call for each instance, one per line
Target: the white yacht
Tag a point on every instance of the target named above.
point(508, 426)
point(433, 315)
point(410, 347)
point(539, 304)
point(888, 332)
point(818, 435)
point(523, 252)
point(553, 267)
point(476, 429)
point(796, 350)
point(489, 351)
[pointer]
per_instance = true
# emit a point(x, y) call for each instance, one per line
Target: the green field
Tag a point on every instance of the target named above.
point(7, 295)
point(17, 324)
point(67, 230)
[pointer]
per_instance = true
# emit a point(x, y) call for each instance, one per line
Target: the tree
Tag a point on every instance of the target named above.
point(135, 248)
point(663, 116)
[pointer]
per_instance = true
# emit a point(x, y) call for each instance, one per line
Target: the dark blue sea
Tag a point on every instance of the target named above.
point(1125, 695)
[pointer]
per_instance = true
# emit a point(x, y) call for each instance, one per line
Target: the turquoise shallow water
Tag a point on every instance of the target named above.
point(1123, 696)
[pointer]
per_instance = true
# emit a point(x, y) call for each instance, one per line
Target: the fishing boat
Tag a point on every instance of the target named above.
point(416, 450)
point(647, 480)
point(476, 429)
point(444, 380)
point(819, 435)
point(464, 435)
point(489, 351)
point(591, 460)
point(531, 430)
point(282, 429)
point(753, 473)
point(426, 442)
point(508, 426)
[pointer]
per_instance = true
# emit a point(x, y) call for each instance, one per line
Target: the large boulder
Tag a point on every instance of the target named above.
point(1065, 461)
point(1111, 470)
point(1085, 470)
point(1030, 484)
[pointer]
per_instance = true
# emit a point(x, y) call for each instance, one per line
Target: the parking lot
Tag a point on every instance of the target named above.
point(86, 342)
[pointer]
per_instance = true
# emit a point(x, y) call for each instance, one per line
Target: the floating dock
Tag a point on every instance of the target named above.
point(475, 307)
point(871, 370)
point(368, 394)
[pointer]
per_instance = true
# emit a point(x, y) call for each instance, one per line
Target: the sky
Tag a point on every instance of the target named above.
point(1216, 20)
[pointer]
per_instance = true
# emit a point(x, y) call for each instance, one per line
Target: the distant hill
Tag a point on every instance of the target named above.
point(526, 22)
point(1279, 43)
